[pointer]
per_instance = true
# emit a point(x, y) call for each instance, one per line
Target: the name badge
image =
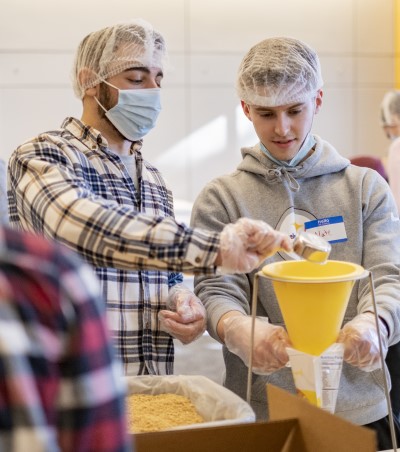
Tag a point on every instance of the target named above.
point(331, 229)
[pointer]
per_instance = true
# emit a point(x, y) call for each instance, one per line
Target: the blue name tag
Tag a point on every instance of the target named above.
point(331, 229)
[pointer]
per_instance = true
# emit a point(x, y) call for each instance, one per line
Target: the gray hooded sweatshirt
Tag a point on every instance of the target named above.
point(324, 186)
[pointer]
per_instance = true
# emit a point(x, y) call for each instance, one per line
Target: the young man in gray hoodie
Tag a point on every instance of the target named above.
point(295, 180)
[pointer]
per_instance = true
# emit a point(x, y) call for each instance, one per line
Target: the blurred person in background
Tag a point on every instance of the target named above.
point(390, 120)
point(88, 186)
point(3, 193)
point(370, 161)
point(61, 385)
point(290, 179)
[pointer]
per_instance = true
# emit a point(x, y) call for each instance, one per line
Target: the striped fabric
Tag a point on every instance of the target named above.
point(60, 385)
point(67, 185)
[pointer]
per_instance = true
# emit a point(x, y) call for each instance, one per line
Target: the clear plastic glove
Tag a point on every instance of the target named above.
point(186, 316)
point(361, 345)
point(270, 342)
point(246, 243)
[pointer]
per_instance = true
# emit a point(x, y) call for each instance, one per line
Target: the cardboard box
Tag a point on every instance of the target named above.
point(295, 426)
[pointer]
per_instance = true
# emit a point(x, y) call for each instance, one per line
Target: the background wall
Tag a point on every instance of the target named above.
point(201, 127)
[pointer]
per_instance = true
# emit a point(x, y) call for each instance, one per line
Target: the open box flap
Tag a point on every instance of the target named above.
point(321, 431)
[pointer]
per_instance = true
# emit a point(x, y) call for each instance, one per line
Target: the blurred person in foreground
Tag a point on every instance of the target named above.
point(88, 186)
point(390, 120)
point(290, 179)
point(3, 193)
point(61, 387)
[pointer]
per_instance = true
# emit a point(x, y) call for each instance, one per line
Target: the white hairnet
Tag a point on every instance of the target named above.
point(278, 71)
point(390, 107)
point(107, 52)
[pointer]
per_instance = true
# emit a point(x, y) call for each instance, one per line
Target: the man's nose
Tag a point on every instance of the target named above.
point(151, 83)
point(282, 125)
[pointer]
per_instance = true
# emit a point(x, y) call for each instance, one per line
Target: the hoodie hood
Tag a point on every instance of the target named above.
point(324, 160)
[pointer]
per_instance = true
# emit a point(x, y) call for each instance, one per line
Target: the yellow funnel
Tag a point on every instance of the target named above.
point(313, 299)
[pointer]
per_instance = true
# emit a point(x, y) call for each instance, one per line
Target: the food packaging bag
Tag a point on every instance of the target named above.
point(216, 404)
point(317, 378)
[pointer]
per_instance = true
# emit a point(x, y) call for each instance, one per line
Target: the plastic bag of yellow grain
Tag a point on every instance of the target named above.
point(213, 403)
point(150, 413)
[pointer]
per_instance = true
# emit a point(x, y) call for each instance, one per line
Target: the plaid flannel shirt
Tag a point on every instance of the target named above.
point(67, 185)
point(60, 385)
point(3, 193)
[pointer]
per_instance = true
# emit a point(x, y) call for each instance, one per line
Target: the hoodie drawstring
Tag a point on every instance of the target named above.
point(285, 172)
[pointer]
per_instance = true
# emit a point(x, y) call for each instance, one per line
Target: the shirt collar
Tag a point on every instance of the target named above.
point(91, 137)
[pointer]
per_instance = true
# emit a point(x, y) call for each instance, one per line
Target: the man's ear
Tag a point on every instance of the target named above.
point(318, 101)
point(246, 109)
point(86, 77)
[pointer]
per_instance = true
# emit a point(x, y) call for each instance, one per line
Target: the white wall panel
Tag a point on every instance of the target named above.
point(235, 26)
point(49, 24)
point(35, 70)
point(171, 124)
point(373, 27)
point(25, 112)
point(213, 69)
point(210, 150)
point(337, 70)
point(374, 71)
point(335, 120)
point(367, 120)
point(217, 150)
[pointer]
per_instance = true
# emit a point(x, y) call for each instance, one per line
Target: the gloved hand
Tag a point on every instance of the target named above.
point(270, 342)
point(246, 243)
point(186, 316)
point(360, 339)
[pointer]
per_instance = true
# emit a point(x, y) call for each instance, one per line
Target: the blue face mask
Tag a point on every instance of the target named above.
point(136, 111)
point(305, 148)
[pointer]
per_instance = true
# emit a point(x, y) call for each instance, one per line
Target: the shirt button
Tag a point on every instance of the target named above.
point(198, 259)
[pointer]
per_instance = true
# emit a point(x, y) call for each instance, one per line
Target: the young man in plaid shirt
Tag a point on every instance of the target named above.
point(88, 186)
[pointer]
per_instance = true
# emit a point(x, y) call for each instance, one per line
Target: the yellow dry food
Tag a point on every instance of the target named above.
point(150, 413)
